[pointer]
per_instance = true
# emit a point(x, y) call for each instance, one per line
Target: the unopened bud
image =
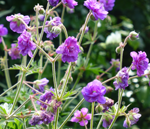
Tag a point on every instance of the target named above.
point(69, 10)
point(109, 89)
point(99, 108)
point(39, 8)
point(41, 17)
point(56, 29)
point(92, 17)
point(81, 48)
point(70, 80)
point(133, 35)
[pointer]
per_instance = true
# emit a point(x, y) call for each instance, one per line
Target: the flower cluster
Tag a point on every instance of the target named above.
point(40, 84)
point(81, 117)
point(14, 52)
point(132, 117)
point(46, 97)
point(97, 9)
point(94, 92)
point(140, 62)
point(41, 117)
point(122, 79)
point(69, 50)
point(25, 45)
point(3, 31)
point(52, 28)
point(16, 22)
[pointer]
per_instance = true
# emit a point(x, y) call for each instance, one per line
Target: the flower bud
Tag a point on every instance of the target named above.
point(56, 29)
point(118, 49)
point(39, 8)
point(69, 10)
point(109, 89)
point(41, 17)
point(81, 48)
point(133, 35)
point(92, 17)
point(70, 80)
point(99, 108)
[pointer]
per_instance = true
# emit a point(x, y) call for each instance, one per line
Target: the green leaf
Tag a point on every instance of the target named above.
point(88, 36)
point(88, 42)
point(5, 108)
point(68, 94)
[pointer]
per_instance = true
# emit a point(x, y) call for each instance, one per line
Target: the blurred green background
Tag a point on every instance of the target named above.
point(126, 16)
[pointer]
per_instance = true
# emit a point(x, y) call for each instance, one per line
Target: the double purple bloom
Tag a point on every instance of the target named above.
point(16, 25)
point(3, 31)
point(25, 45)
point(122, 79)
point(97, 9)
point(69, 50)
point(94, 92)
point(70, 3)
point(140, 62)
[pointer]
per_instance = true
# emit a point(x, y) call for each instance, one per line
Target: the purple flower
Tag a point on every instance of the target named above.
point(54, 104)
point(47, 117)
point(69, 50)
point(107, 120)
point(97, 9)
point(53, 2)
point(70, 3)
point(25, 45)
point(46, 97)
point(140, 62)
point(14, 52)
point(52, 30)
point(108, 104)
point(36, 119)
point(41, 117)
point(94, 92)
point(133, 117)
point(40, 84)
point(108, 4)
point(3, 31)
point(81, 117)
point(115, 63)
point(122, 79)
point(16, 25)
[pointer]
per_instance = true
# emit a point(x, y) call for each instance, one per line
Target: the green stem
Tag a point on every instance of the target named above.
point(65, 121)
point(92, 112)
point(62, 15)
point(6, 125)
point(119, 93)
point(65, 31)
point(46, 16)
point(41, 64)
point(75, 84)
point(21, 82)
point(88, 55)
point(109, 79)
point(54, 77)
point(95, 30)
point(9, 89)
point(50, 58)
point(100, 122)
point(19, 108)
point(85, 24)
point(17, 93)
point(66, 80)
point(37, 25)
point(56, 120)
point(7, 76)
